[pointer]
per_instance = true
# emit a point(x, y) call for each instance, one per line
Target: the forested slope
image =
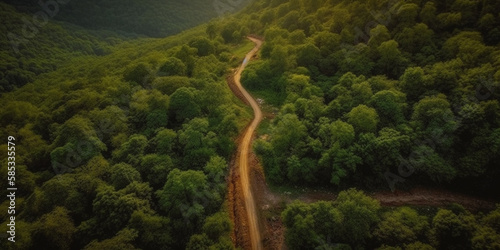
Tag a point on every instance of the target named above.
point(28, 50)
point(124, 150)
point(155, 18)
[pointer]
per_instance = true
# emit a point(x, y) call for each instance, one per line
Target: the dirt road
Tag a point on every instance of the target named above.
point(244, 150)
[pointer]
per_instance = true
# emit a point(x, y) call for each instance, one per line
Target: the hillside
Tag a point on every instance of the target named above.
point(27, 53)
point(127, 148)
point(154, 18)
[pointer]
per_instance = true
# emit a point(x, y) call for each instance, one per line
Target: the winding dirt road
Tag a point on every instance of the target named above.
point(244, 148)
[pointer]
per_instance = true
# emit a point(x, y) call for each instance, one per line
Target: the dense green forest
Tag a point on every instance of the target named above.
point(377, 92)
point(123, 141)
point(356, 221)
point(28, 50)
point(126, 149)
point(154, 18)
point(380, 94)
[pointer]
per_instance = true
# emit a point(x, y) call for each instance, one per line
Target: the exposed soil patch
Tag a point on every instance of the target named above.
point(236, 91)
point(421, 196)
point(237, 210)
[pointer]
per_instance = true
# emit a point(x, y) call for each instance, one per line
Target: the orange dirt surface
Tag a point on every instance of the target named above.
point(246, 230)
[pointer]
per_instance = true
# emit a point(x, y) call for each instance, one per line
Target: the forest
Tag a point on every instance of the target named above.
point(380, 95)
point(126, 149)
point(411, 95)
point(45, 48)
point(152, 18)
point(124, 139)
point(356, 221)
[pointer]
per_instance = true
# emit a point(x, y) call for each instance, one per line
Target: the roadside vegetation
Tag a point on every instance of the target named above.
point(356, 221)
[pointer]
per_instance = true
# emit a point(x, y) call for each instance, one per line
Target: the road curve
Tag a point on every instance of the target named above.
point(244, 149)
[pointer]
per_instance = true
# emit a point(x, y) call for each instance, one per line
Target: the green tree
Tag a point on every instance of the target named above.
point(359, 213)
point(199, 241)
point(61, 191)
point(138, 74)
point(228, 31)
point(113, 209)
point(165, 141)
point(378, 35)
point(425, 160)
point(428, 14)
point(485, 238)
point(336, 132)
point(493, 219)
point(217, 225)
point(169, 84)
point(187, 55)
point(361, 92)
point(173, 67)
point(75, 144)
point(155, 168)
point(342, 162)
point(54, 230)
point(434, 112)
point(390, 105)
point(297, 37)
point(108, 122)
point(154, 231)
point(444, 75)
point(123, 240)
point(288, 133)
point(414, 39)
point(400, 226)
point(451, 230)
point(363, 118)
point(289, 21)
point(327, 42)
point(215, 170)
point(389, 146)
point(183, 105)
point(418, 246)
point(407, 14)
point(308, 55)
point(211, 30)
point(25, 180)
point(279, 59)
point(185, 196)
point(131, 151)
point(297, 84)
point(123, 174)
point(198, 143)
point(156, 119)
point(205, 47)
point(300, 231)
point(391, 61)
